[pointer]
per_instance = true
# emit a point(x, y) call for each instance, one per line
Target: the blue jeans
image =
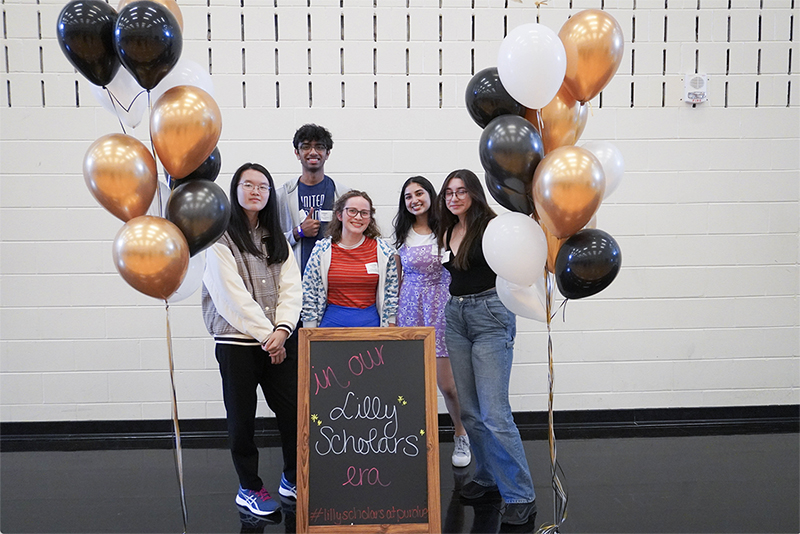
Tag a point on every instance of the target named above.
point(480, 340)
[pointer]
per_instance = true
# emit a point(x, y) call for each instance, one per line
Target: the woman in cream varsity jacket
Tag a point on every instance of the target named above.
point(251, 304)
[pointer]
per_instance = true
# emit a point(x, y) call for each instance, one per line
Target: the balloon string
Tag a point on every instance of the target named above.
point(539, 4)
point(563, 308)
point(559, 493)
point(178, 450)
point(120, 104)
point(153, 149)
point(540, 123)
point(114, 105)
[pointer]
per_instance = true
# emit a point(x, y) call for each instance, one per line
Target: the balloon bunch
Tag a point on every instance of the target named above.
point(155, 254)
point(533, 108)
point(151, 252)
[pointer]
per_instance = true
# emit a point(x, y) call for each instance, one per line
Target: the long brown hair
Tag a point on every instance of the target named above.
point(477, 217)
point(335, 226)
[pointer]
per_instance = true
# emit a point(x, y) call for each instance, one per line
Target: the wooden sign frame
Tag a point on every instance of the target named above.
point(430, 445)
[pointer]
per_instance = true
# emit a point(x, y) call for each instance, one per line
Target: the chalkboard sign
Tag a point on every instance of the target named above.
point(368, 439)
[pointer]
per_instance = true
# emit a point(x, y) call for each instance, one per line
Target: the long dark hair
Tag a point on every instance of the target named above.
point(239, 226)
point(335, 226)
point(477, 217)
point(404, 219)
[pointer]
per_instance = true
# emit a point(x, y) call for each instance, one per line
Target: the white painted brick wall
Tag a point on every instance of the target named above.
point(704, 312)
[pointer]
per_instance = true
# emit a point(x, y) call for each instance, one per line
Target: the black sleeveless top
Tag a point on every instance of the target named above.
point(477, 279)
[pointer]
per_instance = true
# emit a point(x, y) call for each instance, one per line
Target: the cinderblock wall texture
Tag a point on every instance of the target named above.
point(703, 313)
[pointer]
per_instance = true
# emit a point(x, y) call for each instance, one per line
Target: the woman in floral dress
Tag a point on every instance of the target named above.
point(423, 290)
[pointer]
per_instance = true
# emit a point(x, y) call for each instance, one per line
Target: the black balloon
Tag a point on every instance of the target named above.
point(513, 194)
point(488, 99)
point(85, 32)
point(208, 170)
point(201, 210)
point(148, 40)
point(510, 149)
point(587, 263)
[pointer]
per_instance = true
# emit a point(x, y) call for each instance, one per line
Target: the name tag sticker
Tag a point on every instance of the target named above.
point(325, 215)
point(372, 268)
point(445, 256)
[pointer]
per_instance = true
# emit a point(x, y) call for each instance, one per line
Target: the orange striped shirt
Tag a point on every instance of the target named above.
point(353, 275)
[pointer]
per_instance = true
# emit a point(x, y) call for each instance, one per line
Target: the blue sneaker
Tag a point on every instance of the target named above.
point(258, 502)
point(287, 489)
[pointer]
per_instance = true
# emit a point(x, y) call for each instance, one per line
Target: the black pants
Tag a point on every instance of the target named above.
point(243, 369)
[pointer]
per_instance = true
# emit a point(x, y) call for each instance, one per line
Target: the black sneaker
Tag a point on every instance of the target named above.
point(518, 513)
point(473, 490)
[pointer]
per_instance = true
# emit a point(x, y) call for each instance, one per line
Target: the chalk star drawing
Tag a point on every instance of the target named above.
point(401, 400)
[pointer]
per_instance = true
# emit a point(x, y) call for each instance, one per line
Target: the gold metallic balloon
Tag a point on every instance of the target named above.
point(121, 174)
point(171, 5)
point(567, 189)
point(594, 43)
point(152, 255)
point(561, 122)
point(185, 126)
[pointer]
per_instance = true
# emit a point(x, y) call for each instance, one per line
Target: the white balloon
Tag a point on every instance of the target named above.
point(527, 302)
point(192, 280)
point(128, 107)
point(153, 209)
point(515, 248)
point(185, 72)
point(611, 160)
point(531, 64)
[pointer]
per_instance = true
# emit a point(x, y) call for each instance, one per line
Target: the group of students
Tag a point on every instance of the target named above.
point(254, 299)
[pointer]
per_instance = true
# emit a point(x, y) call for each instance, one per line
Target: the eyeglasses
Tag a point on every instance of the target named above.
point(247, 186)
point(352, 212)
point(458, 193)
point(319, 147)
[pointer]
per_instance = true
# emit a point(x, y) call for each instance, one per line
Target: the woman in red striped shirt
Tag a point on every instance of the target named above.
point(351, 277)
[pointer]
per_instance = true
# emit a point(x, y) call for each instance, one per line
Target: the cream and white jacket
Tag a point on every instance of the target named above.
point(244, 299)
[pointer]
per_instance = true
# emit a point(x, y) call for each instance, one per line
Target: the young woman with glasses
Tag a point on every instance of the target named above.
point(423, 290)
point(251, 301)
point(480, 340)
point(351, 276)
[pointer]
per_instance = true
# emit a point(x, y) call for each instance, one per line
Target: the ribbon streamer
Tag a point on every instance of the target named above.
point(158, 189)
point(114, 106)
point(176, 427)
point(115, 102)
point(560, 497)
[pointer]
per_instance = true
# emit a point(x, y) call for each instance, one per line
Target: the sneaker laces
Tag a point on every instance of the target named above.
point(461, 445)
point(263, 494)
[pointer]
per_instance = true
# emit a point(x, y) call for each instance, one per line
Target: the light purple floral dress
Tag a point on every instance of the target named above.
point(425, 287)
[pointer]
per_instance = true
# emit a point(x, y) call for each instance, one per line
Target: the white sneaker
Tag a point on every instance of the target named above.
point(461, 455)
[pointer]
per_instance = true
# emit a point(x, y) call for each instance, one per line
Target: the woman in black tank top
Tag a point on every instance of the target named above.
point(480, 339)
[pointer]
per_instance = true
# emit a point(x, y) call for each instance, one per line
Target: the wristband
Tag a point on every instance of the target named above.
point(300, 231)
